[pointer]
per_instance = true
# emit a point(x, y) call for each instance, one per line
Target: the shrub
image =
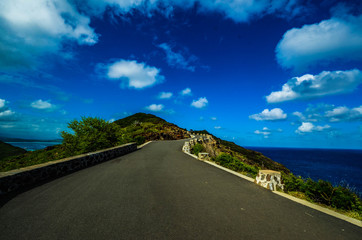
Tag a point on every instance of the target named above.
point(91, 134)
point(323, 192)
point(197, 148)
point(139, 140)
point(233, 163)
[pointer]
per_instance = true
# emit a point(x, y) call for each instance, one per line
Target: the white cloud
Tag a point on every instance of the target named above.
point(217, 127)
point(339, 114)
point(186, 92)
point(6, 113)
point(2, 103)
point(272, 115)
point(35, 28)
point(155, 107)
point(311, 117)
point(330, 113)
point(32, 29)
point(133, 74)
point(338, 38)
point(177, 59)
point(308, 127)
point(316, 86)
point(40, 104)
point(165, 95)
point(213, 118)
point(265, 132)
point(200, 103)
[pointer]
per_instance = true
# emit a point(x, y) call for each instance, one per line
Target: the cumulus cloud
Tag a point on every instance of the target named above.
point(200, 103)
point(339, 114)
point(155, 107)
point(2, 103)
point(308, 127)
point(338, 38)
point(34, 28)
point(6, 113)
point(42, 105)
point(315, 86)
point(132, 74)
point(275, 114)
point(329, 113)
point(186, 92)
point(178, 59)
point(217, 127)
point(213, 118)
point(165, 95)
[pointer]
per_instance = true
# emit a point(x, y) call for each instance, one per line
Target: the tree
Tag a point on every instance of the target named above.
point(91, 134)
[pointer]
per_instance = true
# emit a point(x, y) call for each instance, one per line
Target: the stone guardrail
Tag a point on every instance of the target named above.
point(24, 177)
point(268, 179)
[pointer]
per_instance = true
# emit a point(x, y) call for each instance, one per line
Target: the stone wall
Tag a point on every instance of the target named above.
point(269, 179)
point(19, 178)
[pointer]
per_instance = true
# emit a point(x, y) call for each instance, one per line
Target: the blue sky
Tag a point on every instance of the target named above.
point(259, 73)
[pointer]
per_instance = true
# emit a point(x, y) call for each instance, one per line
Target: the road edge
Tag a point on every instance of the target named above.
point(294, 199)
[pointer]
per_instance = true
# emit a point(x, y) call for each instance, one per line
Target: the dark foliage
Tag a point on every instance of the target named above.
point(139, 118)
point(8, 150)
point(323, 192)
point(235, 164)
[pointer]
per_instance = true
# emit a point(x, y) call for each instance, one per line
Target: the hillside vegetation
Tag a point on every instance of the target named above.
point(244, 155)
point(7, 150)
point(92, 134)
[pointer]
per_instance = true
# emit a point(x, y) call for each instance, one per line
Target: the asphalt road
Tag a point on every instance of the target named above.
point(159, 192)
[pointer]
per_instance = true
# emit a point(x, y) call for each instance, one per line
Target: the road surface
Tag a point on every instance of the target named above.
point(159, 192)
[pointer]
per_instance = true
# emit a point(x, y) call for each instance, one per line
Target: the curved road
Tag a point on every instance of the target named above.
point(159, 192)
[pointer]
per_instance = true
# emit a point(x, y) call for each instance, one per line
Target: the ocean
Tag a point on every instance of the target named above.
point(334, 165)
point(32, 146)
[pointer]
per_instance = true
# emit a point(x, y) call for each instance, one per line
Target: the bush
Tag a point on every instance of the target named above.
point(91, 134)
point(197, 148)
point(140, 140)
point(233, 163)
point(323, 192)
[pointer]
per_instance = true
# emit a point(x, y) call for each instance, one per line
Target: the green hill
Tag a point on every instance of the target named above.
point(142, 127)
point(7, 150)
point(140, 118)
point(250, 157)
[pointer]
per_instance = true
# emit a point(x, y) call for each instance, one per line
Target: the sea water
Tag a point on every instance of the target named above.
point(32, 146)
point(340, 167)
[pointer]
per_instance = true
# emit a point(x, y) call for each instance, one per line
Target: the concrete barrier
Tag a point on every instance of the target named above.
point(24, 177)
